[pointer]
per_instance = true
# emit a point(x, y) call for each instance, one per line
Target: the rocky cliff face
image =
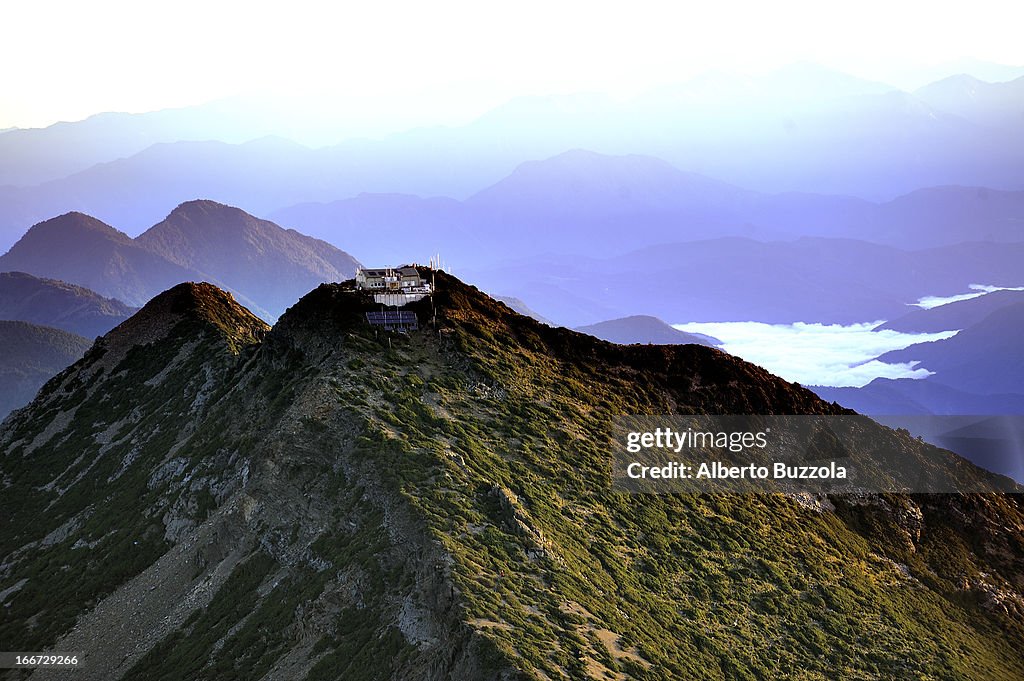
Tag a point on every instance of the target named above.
point(200, 497)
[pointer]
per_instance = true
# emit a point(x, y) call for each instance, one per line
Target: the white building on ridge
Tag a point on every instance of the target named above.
point(394, 286)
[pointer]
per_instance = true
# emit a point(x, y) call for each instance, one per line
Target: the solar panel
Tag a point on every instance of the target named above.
point(393, 319)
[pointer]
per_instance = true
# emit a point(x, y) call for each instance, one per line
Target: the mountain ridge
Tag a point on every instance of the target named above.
point(644, 329)
point(434, 505)
point(32, 355)
point(55, 303)
point(263, 263)
point(953, 316)
point(984, 358)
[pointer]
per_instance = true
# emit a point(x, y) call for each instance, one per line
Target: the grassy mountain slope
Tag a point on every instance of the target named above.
point(31, 355)
point(198, 500)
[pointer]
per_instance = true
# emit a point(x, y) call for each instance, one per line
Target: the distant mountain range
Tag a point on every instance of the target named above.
point(560, 204)
point(952, 316)
point(263, 264)
point(33, 156)
point(32, 354)
point(644, 330)
point(830, 280)
point(850, 137)
point(986, 357)
point(49, 302)
point(978, 371)
point(810, 279)
point(973, 99)
point(907, 396)
point(631, 200)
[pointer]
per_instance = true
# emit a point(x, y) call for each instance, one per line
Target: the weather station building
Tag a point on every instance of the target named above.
point(394, 286)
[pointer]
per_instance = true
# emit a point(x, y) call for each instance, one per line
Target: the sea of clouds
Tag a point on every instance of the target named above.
point(818, 354)
point(832, 355)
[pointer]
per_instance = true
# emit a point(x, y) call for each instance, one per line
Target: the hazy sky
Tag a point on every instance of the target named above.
point(64, 59)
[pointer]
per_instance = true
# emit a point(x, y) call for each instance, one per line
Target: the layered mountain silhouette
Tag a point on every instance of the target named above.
point(559, 204)
point(32, 354)
point(32, 156)
point(953, 316)
point(986, 357)
point(644, 329)
point(765, 134)
point(82, 250)
point(907, 396)
point(810, 279)
point(977, 371)
point(435, 505)
point(54, 303)
point(976, 100)
point(265, 265)
point(522, 308)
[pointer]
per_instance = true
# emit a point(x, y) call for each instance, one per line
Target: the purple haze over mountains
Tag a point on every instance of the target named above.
point(802, 195)
point(802, 129)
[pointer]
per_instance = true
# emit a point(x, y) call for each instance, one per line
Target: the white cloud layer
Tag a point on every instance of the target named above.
point(977, 291)
point(818, 354)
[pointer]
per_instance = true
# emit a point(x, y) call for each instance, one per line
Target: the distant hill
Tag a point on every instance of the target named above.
point(987, 429)
point(555, 205)
point(974, 99)
point(50, 302)
point(523, 309)
point(265, 263)
point(265, 266)
point(644, 329)
point(32, 355)
point(943, 215)
point(35, 155)
point(558, 205)
point(905, 396)
point(821, 280)
point(952, 316)
point(985, 358)
point(80, 249)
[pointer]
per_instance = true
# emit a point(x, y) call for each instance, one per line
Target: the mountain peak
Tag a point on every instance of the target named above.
point(644, 329)
point(589, 181)
point(206, 208)
point(246, 254)
point(74, 225)
point(195, 304)
point(960, 82)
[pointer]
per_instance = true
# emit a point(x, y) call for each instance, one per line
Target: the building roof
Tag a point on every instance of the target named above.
point(406, 271)
point(379, 272)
